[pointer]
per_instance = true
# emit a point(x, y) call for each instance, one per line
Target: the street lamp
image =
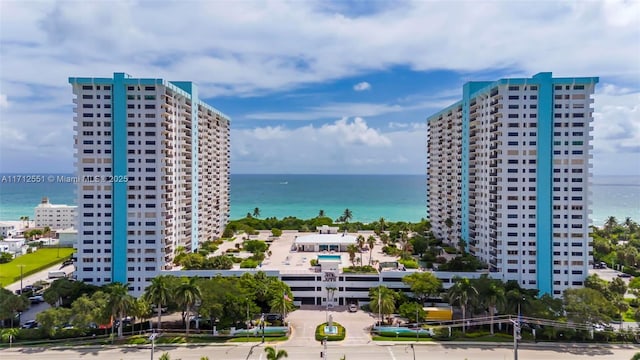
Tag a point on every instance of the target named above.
point(262, 326)
point(417, 329)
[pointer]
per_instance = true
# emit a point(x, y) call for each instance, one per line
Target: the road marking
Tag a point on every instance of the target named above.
point(393, 357)
point(261, 356)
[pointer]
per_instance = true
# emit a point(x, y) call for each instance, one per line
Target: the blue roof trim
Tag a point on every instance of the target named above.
point(444, 111)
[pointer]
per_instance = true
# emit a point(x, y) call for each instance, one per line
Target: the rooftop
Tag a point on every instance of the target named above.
point(288, 261)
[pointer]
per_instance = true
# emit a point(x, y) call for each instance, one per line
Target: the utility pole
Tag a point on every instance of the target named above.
point(516, 335)
point(21, 266)
point(324, 352)
point(153, 343)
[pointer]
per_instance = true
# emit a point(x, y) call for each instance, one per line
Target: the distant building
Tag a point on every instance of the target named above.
point(153, 175)
point(12, 245)
point(55, 216)
point(7, 230)
point(67, 237)
point(509, 173)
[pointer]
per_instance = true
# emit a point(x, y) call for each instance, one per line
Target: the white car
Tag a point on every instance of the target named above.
point(36, 299)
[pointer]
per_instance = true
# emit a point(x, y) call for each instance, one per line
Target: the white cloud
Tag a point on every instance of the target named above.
point(355, 109)
point(348, 145)
point(4, 102)
point(248, 48)
point(617, 123)
point(362, 86)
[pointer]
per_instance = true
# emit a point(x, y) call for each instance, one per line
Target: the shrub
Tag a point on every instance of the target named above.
point(5, 257)
point(391, 250)
point(255, 246)
point(276, 232)
point(450, 250)
point(320, 335)
point(409, 263)
point(314, 262)
point(360, 269)
point(249, 264)
point(228, 232)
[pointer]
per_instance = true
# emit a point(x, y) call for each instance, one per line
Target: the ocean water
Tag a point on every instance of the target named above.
point(369, 197)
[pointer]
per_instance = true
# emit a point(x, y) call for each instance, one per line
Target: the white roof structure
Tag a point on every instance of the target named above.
point(328, 239)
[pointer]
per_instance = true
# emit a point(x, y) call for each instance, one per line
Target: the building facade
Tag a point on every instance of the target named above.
point(55, 216)
point(152, 164)
point(509, 174)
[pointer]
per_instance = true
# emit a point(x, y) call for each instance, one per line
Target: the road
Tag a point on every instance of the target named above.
point(30, 314)
point(335, 352)
point(41, 275)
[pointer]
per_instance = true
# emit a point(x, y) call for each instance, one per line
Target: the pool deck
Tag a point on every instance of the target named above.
point(286, 260)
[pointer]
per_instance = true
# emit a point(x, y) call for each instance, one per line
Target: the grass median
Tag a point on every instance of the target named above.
point(32, 263)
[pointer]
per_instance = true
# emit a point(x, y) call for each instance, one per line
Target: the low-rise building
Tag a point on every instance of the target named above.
point(7, 230)
point(332, 282)
point(55, 216)
point(67, 237)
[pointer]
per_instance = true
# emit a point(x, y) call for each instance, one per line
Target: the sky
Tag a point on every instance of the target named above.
point(314, 87)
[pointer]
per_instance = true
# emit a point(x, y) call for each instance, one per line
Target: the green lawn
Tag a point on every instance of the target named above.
point(34, 262)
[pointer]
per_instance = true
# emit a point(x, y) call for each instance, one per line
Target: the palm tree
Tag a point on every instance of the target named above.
point(282, 300)
point(384, 238)
point(462, 245)
point(449, 224)
point(461, 292)
point(371, 242)
point(187, 294)
point(272, 354)
point(405, 244)
point(158, 293)
point(494, 296)
point(25, 219)
point(120, 303)
point(352, 249)
point(9, 334)
point(382, 300)
point(361, 241)
point(347, 215)
point(256, 212)
point(610, 224)
point(382, 224)
point(321, 213)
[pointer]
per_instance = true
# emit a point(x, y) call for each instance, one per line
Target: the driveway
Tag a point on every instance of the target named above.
point(304, 322)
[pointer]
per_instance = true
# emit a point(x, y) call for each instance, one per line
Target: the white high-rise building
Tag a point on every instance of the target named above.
point(152, 162)
point(55, 216)
point(509, 173)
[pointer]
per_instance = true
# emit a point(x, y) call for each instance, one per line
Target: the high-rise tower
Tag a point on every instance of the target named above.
point(508, 173)
point(152, 162)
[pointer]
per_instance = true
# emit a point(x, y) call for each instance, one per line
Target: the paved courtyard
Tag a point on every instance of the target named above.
point(304, 321)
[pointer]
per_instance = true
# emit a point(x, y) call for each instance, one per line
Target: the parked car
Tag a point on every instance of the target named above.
point(37, 299)
point(31, 324)
point(353, 307)
point(66, 263)
point(624, 275)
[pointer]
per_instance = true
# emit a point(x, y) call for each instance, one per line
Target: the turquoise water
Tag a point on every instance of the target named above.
point(399, 330)
point(369, 197)
point(328, 257)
